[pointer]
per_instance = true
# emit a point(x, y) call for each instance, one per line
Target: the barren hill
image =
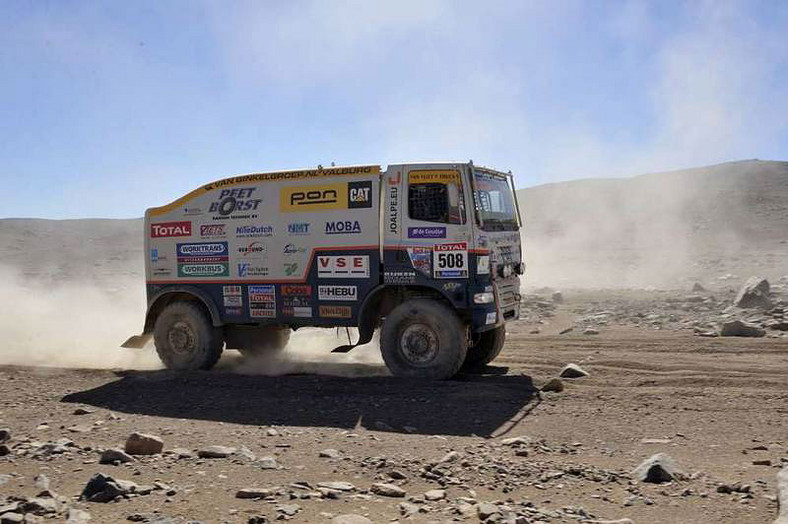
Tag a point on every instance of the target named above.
point(661, 229)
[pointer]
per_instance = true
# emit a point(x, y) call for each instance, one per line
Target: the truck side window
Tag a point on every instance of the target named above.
point(435, 202)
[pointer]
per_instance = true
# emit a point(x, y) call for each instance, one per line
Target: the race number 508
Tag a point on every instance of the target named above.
point(451, 260)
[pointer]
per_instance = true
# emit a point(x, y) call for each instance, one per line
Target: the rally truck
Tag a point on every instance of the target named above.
point(429, 253)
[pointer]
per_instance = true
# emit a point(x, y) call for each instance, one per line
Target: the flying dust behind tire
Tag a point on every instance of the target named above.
point(257, 341)
point(422, 338)
point(185, 338)
point(486, 349)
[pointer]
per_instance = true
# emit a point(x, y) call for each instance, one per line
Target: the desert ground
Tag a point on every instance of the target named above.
point(310, 436)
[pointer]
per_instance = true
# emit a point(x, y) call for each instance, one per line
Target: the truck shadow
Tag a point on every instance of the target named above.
point(483, 405)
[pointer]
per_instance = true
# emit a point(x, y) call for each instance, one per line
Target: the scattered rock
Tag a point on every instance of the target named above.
point(554, 384)
point(387, 490)
point(350, 518)
point(77, 516)
point(330, 453)
point(5, 435)
point(11, 518)
point(406, 509)
point(41, 481)
point(143, 444)
point(82, 411)
point(216, 452)
point(338, 486)
point(257, 519)
point(737, 328)
point(573, 371)
point(782, 496)
point(112, 456)
point(591, 331)
point(180, 453)
point(485, 510)
point(754, 293)
point(267, 463)
point(657, 469)
point(451, 456)
point(103, 488)
point(288, 509)
point(435, 494)
point(253, 493)
point(697, 286)
point(558, 297)
point(4, 450)
point(567, 330)
point(516, 441)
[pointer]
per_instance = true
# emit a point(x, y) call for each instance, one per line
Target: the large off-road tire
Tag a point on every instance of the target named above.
point(255, 341)
point(486, 349)
point(185, 338)
point(423, 338)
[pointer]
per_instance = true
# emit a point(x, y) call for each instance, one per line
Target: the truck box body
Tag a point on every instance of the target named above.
point(308, 247)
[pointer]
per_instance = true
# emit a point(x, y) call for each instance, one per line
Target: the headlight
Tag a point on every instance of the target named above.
point(483, 298)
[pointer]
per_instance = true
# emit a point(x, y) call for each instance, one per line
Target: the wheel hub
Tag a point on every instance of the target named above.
point(419, 344)
point(181, 338)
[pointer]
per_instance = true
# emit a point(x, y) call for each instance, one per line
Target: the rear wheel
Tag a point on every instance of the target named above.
point(185, 338)
point(423, 338)
point(255, 341)
point(486, 349)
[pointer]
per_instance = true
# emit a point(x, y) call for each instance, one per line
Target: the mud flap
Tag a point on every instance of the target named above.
point(137, 341)
point(364, 338)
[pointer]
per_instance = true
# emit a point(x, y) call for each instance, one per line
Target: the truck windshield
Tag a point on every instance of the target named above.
point(494, 202)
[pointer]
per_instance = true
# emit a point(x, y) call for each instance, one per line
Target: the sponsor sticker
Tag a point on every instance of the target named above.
point(204, 270)
point(339, 293)
point(421, 259)
point(483, 265)
point(254, 231)
point(212, 230)
point(231, 291)
point(171, 229)
point(313, 198)
point(303, 290)
point(442, 176)
point(247, 269)
point(201, 250)
point(233, 301)
point(192, 211)
point(343, 227)
point(393, 210)
point(343, 266)
point(335, 311)
point(297, 311)
point(262, 301)
point(290, 268)
point(233, 311)
point(427, 232)
point(252, 250)
point(298, 228)
point(237, 199)
point(399, 277)
point(292, 249)
point(359, 194)
point(162, 272)
point(450, 260)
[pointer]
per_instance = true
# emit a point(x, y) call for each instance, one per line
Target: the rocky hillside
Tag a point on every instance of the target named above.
point(711, 224)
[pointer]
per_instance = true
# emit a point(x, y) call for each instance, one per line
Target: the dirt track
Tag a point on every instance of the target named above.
point(708, 401)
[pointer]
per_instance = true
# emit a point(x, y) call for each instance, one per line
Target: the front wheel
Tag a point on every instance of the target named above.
point(185, 338)
point(486, 349)
point(423, 338)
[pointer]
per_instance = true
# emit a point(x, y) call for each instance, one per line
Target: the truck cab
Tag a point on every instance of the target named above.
point(428, 253)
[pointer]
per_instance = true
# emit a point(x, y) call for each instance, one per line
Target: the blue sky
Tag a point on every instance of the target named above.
point(107, 108)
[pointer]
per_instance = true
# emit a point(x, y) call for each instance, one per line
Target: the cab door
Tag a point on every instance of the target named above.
point(432, 238)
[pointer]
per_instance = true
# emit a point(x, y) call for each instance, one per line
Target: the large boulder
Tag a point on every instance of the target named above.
point(657, 469)
point(754, 294)
point(143, 444)
point(737, 328)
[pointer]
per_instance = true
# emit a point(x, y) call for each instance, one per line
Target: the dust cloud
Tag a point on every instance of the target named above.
point(71, 323)
point(309, 352)
point(81, 324)
point(713, 225)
